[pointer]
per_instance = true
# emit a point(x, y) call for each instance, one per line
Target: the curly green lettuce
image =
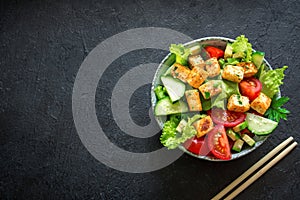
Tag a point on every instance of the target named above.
point(271, 80)
point(171, 139)
point(242, 48)
point(181, 53)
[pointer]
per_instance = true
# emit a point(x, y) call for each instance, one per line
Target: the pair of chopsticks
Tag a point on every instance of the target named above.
point(258, 174)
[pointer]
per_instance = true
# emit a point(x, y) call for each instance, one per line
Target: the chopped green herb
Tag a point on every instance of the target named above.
point(239, 100)
point(207, 95)
point(276, 112)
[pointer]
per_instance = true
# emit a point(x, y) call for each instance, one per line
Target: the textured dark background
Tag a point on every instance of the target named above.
point(43, 43)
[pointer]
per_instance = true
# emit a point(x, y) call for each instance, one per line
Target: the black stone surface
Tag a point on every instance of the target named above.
point(43, 44)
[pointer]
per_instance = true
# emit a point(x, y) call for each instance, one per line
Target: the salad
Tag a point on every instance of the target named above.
point(218, 100)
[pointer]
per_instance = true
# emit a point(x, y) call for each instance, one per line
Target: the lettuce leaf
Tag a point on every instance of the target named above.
point(171, 139)
point(242, 46)
point(271, 80)
point(181, 53)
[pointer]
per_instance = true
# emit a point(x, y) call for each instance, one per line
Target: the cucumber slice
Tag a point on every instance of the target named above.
point(238, 144)
point(257, 58)
point(260, 125)
point(175, 87)
point(166, 107)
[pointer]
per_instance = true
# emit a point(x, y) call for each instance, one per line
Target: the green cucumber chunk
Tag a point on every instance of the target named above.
point(260, 125)
point(166, 107)
point(240, 126)
point(174, 87)
point(238, 145)
point(258, 58)
point(248, 140)
point(232, 135)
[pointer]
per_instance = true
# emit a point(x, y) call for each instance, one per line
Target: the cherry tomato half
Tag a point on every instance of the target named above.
point(214, 52)
point(218, 143)
point(197, 146)
point(250, 87)
point(225, 117)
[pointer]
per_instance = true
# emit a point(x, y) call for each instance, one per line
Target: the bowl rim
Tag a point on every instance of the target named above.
point(157, 74)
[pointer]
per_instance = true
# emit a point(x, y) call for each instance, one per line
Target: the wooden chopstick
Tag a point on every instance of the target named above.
point(256, 166)
point(261, 171)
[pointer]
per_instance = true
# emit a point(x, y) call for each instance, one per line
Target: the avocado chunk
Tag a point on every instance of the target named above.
point(238, 144)
point(228, 51)
point(240, 126)
point(238, 55)
point(232, 135)
point(248, 140)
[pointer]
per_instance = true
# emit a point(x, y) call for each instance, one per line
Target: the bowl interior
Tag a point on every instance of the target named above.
point(219, 42)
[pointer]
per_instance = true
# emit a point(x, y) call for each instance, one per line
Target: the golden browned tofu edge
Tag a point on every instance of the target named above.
point(181, 72)
point(261, 103)
point(203, 126)
point(193, 100)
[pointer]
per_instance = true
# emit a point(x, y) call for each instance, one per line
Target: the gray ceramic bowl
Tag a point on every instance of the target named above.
point(219, 42)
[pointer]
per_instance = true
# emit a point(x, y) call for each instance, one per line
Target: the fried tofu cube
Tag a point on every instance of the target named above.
point(249, 69)
point(196, 77)
point(212, 67)
point(238, 103)
point(196, 61)
point(261, 103)
point(181, 72)
point(193, 100)
point(203, 126)
point(210, 89)
point(233, 73)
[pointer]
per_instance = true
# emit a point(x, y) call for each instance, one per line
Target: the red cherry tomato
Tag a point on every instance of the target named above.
point(225, 117)
point(250, 87)
point(197, 146)
point(214, 52)
point(218, 143)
